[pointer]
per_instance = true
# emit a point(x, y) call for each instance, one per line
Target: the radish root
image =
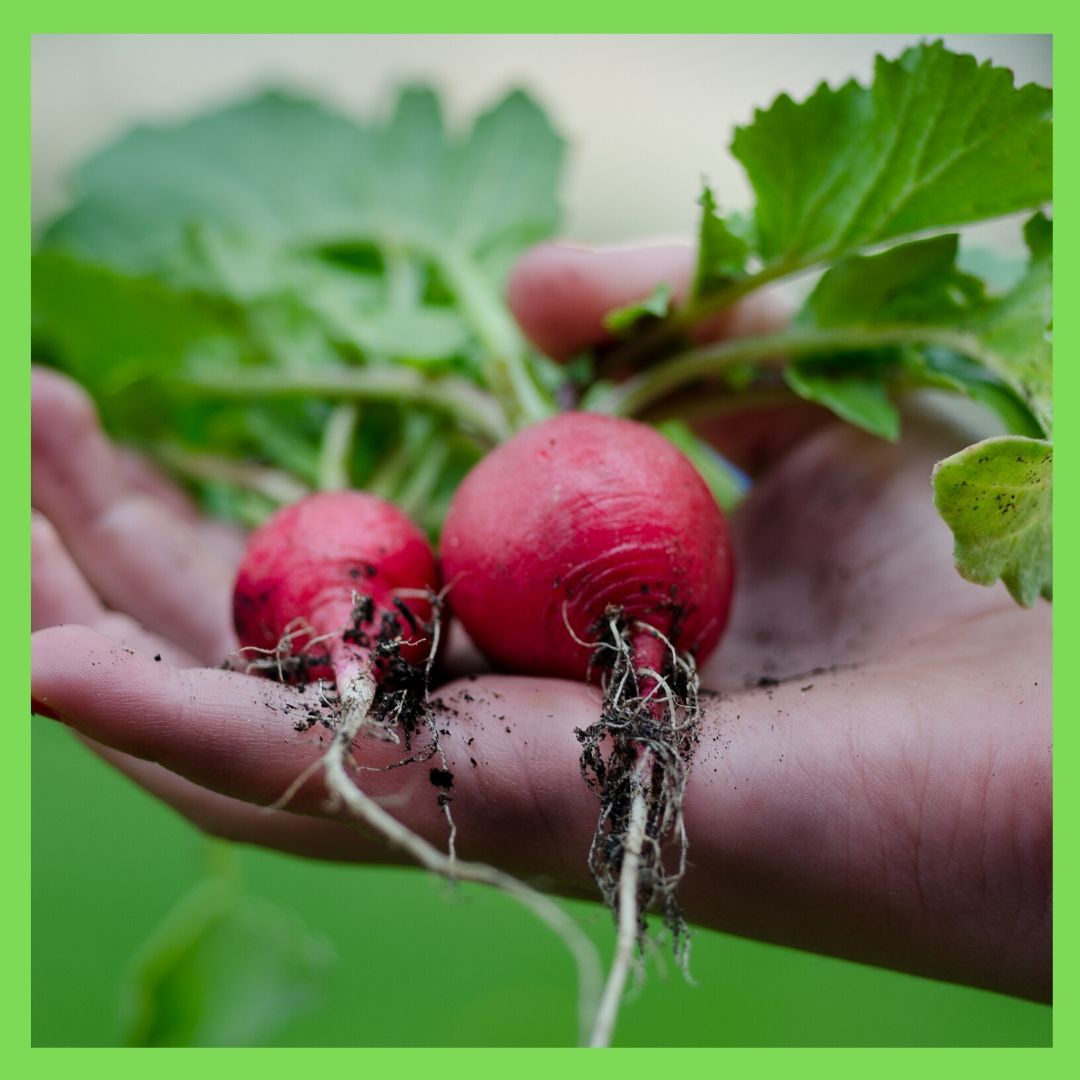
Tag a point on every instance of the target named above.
point(363, 707)
point(637, 760)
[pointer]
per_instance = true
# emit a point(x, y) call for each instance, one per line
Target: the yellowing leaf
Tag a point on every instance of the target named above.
point(997, 497)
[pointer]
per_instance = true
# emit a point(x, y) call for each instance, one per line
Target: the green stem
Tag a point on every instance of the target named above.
point(672, 330)
point(703, 307)
point(447, 394)
point(417, 492)
point(508, 371)
point(389, 475)
point(337, 441)
point(774, 350)
point(403, 284)
point(223, 862)
point(273, 484)
point(695, 404)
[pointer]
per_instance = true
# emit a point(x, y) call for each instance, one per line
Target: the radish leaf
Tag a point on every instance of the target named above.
point(997, 497)
point(854, 391)
point(1015, 331)
point(722, 251)
point(654, 306)
point(995, 350)
point(937, 140)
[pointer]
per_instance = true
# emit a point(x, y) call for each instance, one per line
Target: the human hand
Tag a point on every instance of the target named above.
point(888, 800)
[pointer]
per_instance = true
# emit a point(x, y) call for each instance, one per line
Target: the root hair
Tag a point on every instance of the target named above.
point(636, 759)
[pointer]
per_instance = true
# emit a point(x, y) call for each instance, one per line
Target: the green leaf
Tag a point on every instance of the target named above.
point(995, 350)
point(1014, 333)
point(854, 391)
point(727, 483)
point(499, 193)
point(225, 969)
point(277, 176)
point(420, 332)
point(945, 370)
point(997, 497)
point(279, 436)
point(240, 266)
point(278, 168)
point(722, 253)
point(937, 140)
point(917, 282)
point(111, 328)
point(124, 338)
point(655, 306)
point(1000, 271)
point(391, 238)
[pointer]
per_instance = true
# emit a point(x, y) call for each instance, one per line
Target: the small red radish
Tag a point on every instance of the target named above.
point(351, 569)
point(571, 518)
point(339, 570)
point(587, 540)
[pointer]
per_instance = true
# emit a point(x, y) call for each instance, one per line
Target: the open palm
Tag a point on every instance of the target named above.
point(873, 779)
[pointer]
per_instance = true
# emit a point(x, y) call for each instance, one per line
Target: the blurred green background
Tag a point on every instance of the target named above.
point(388, 958)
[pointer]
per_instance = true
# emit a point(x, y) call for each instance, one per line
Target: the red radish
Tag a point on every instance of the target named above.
point(572, 517)
point(588, 539)
point(343, 566)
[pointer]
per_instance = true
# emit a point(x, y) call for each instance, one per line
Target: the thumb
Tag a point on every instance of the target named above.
point(560, 293)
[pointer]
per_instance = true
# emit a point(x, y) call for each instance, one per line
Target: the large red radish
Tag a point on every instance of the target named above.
point(571, 519)
point(589, 543)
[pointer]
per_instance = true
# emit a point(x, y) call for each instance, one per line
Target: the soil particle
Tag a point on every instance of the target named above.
point(442, 778)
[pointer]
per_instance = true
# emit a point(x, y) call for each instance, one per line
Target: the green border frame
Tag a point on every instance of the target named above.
point(555, 16)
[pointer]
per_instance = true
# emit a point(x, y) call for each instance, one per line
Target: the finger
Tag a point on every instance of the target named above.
point(236, 735)
point(459, 656)
point(137, 554)
point(560, 294)
point(74, 471)
point(59, 594)
point(142, 477)
point(869, 815)
point(244, 823)
point(139, 477)
point(226, 540)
